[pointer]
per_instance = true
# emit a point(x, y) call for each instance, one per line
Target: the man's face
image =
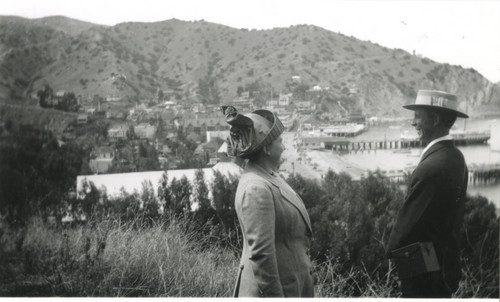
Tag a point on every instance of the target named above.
point(424, 124)
point(275, 149)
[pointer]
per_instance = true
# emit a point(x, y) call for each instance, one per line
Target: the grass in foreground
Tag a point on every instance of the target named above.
point(108, 259)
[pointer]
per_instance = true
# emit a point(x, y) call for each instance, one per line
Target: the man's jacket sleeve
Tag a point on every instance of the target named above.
point(418, 200)
point(259, 224)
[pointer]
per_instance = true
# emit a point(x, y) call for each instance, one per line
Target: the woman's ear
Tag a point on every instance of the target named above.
point(266, 150)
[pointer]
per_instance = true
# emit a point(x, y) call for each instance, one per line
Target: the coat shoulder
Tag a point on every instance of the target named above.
point(442, 160)
point(253, 180)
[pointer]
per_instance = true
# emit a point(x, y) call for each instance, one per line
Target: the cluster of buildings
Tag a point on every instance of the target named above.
point(156, 123)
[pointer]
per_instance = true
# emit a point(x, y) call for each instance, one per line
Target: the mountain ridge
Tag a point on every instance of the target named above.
point(175, 55)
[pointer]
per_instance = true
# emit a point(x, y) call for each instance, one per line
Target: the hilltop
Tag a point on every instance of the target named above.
point(133, 60)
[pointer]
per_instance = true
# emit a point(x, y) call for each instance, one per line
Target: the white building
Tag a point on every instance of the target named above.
point(115, 183)
point(118, 132)
point(113, 98)
point(305, 106)
point(145, 130)
point(220, 134)
point(287, 120)
point(285, 99)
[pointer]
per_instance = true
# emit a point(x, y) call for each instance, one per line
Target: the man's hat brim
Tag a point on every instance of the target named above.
point(419, 106)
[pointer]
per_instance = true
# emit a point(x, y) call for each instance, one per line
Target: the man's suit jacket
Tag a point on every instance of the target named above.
point(433, 208)
point(276, 230)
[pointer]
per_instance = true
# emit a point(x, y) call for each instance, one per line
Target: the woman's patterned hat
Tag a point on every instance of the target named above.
point(250, 132)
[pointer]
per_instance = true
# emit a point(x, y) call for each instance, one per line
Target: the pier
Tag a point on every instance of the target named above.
point(484, 174)
point(478, 175)
point(346, 145)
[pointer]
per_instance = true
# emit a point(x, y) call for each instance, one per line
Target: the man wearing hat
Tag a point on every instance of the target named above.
point(433, 209)
point(273, 219)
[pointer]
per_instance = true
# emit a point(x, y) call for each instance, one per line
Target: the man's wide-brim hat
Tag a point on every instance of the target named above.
point(250, 132)
point(436, 99)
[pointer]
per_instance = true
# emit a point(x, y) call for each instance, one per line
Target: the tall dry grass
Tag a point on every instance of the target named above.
point(109, 259)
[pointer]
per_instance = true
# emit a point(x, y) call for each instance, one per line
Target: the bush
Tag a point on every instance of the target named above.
point(352, 221)
point(128, 247)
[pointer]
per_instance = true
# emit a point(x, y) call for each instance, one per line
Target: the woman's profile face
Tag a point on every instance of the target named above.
point(275, 149)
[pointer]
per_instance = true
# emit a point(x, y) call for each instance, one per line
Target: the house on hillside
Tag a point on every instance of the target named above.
point(103, 152)
point(82, 119)
point(113, 98)
point(243, 104)
point(116, 115)
point(285, 99)
point(198, 108)
point(165, 150)
point(217, 134)
point(145, 131)
point(199, 151)
point(271, 103)
point(305, 107)
point(169, 104)
point(201, 125)
point(101, 159)
point(287, 120)
point(245, 94)
point(357, 118)
point(118, 132)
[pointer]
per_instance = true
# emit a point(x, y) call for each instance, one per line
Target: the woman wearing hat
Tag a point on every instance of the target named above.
point(275, 225)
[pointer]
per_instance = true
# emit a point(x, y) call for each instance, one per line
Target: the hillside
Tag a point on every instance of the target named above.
point(134, 60)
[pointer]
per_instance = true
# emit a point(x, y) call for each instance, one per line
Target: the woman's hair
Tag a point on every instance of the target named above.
point(257, 153)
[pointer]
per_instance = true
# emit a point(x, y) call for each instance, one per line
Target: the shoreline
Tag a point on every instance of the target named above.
point(315, 163)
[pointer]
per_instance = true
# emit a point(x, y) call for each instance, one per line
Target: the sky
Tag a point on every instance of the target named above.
point(465, 33)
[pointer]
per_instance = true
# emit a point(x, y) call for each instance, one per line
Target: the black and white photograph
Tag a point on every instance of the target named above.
point(250, 149)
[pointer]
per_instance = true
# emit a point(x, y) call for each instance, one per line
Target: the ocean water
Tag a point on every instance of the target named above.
point(488, 154)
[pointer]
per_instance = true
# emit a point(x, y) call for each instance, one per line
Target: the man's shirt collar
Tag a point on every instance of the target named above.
point(447, 137)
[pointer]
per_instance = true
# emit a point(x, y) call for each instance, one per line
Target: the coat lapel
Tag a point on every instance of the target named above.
point(286, 191)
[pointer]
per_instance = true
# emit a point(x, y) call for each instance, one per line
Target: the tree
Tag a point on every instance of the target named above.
point(160, 94)
point(308, 189)
point(42, 170)
point(164, 194)
point(149, 201)
point(14, 205)
point(209, 90)
point(68, 102)
point(224, 192)
point(201, 191)
point(88, 197)
point(45, 95)
point(239, 90)
point(181, 195)
point(480, 245)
